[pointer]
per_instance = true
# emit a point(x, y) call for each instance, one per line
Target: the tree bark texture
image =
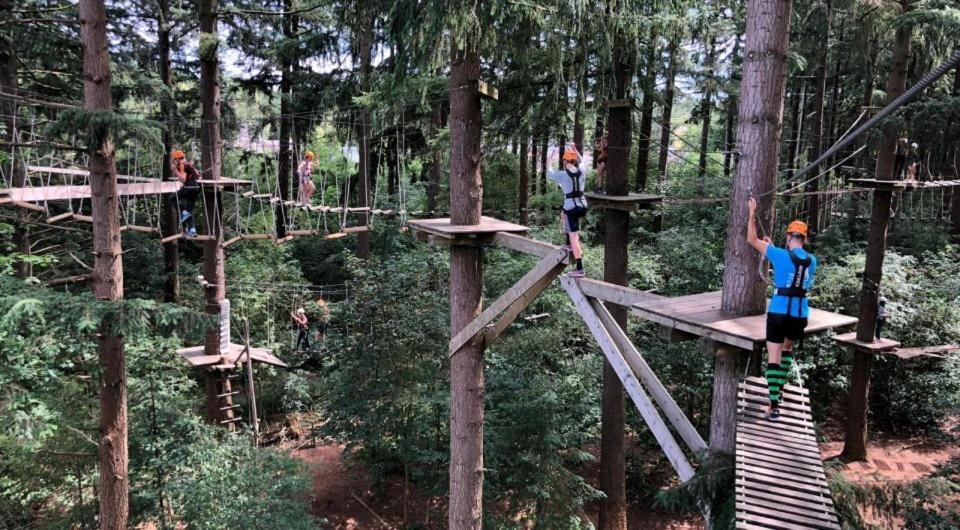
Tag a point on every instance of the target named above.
point(706, 108)
point(730, 120)
point(8, 108)
point(613, 512)
point(466, 293)
point(365, 41)
point(168, 108)
point(955, 209)
point(433, 184)
point(855, 447)
point(667, 113)
point(646, 120)
point(758, 138)
point(544, 167)
point(759, 127)
point(107, 271)
point(524, 185)
point(210, 155)
point(816, 121)
point(285, 161)
point(723, 439)
point(534, 160)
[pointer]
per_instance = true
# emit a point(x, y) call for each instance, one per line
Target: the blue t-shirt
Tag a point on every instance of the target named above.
point(783, 271)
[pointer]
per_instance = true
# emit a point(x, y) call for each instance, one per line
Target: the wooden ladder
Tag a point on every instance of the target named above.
point(780, 482)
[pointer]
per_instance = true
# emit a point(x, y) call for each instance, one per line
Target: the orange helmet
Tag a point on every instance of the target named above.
point(798, 227)
point(308, 155)
point(177, 154)
point(570, 155)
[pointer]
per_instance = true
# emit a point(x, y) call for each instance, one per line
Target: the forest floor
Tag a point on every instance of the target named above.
point(343, 491)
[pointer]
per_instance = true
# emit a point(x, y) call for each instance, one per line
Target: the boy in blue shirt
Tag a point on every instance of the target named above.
point(793, 269)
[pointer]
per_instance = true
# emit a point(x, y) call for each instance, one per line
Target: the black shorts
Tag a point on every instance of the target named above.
point(780, 327)
point(573, 216)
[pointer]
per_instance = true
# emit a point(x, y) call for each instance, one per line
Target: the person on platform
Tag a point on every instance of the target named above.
point(882, 315)
point(302, 324)
point(305, 172)
point(913, 162)
point(793, 270)
point(600, 152)
point(571, 180)
point(900, 157)
point(189, 177)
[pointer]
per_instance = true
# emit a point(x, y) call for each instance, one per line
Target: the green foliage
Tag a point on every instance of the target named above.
point(97, 126)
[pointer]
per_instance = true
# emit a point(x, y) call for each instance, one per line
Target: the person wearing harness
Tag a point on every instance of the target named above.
point(304, 172)
point(188, 175)
point(793, 270)
point(571, 181)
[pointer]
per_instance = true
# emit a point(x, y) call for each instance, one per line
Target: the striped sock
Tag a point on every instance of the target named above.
point(775, 379)
point(786, 364)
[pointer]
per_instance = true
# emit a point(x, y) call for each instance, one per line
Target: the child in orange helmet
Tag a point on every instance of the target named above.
point(793, 270)
point(571, 180)
point(304, 171)
point(189, 177)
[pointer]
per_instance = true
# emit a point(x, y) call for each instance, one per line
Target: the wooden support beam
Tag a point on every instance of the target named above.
point(488, 91)
point(70, 280)
point(335, 235)
point(355, 229)
point(630, 383)
point(659, 392)
point(614, 294)
point(140, 229)
point(173, 237)
point(674, 335)
point(59, 217)
point(84, 218)
point(27, 205)
point(490, 334)
point(254, 237)
point(524, 285)
point(617, 103)
point(284, 239)
point(525, 244)
point(232, 241)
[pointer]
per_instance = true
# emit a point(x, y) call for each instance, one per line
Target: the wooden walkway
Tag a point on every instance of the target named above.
point(780, 480)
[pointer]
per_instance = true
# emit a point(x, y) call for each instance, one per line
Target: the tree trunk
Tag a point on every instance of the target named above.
point(816, 123)
point(365, 38)
point(466, 293)
point(796, 134)
point(168, 109)
point(646, 119)
point(524, 191)
point(760, 122)
point(667, 113)
point(210, 154)
point(543, 160)
point(613, 513)
point(107, 271)
point(855, 441)
point(955, 209)
point(534, 160)
point(8, 108)
point(284, 154)
point(730, 121)
point(872, 50)
point(706, 106)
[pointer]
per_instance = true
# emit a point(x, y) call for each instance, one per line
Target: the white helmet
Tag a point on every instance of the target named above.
point(914, 145)
point(882, 300)
point(300, 311)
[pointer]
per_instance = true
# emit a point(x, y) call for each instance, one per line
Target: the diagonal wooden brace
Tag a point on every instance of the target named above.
point(549, 266)
point(660, 394)
point(630, 383)
point(491, 333)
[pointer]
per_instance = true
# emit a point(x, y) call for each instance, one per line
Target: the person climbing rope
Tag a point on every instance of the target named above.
point(188, 175)
point(793, 270)
point(882, 315)
point(305, 172)
point(571, 181)
point(302, 323)
point(600, 149)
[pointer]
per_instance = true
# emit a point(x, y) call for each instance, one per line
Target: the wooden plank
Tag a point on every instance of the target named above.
point(63, 193)
point(759, 382)
point(876, 346)
point(784, 421)
point(630, 383)
point(765, 442)
point(525, 284)
point(814, 507)
point(747, 487)
point(525, 244)
point(764, 400)
point(253, 237)
point(170, 238)
point(487, 91)
point(753, 477)
point(759, 420)
point(141, 229)
point(442, 227)
point(749, 511)
point(26, 205)
point(819, 518)
point(614, 294)
point(753, 428)
point(490, 334)
point(782, 459)
point(355, 229)
point(694, 329)
point(617, 103)
point(772, 523)
point(284, 239)
point(639, 366)
point(782, 475)
point(232, 241)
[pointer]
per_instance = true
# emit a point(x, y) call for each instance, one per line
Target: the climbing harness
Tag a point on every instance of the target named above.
point(577, 193)
point(795, 290)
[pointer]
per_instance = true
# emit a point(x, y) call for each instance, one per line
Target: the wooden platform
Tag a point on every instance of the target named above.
point(445, 233)
point(700, 315)
point(66, 193)
point(876, 346)
point(906, 185)
point(629, 202)
point(230, 356)
point(780, 482)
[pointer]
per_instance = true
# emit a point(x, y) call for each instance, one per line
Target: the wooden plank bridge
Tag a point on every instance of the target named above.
point(780, 482)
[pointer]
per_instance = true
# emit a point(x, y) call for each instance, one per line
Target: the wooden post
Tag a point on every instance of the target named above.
point(759, 128)
point(365, 167)
point(107, 270)
point(466, 291)
point(251, 390)
point(169, 221)
point(613, 511)
point(855, 440)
